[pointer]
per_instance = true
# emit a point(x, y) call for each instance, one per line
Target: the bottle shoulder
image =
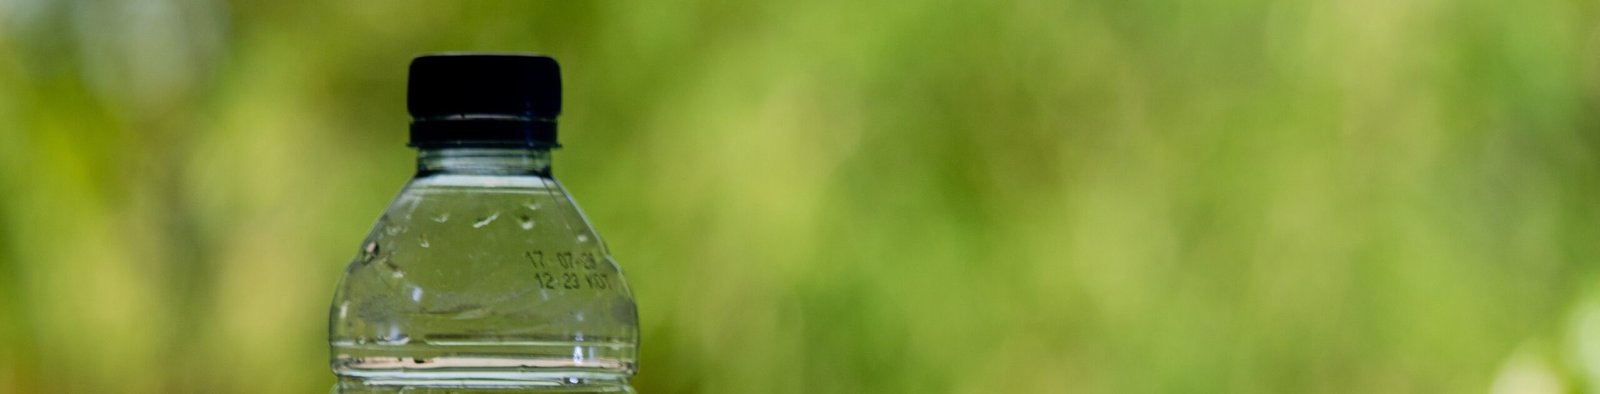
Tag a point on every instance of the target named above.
point(495, 258)
point(528, 207)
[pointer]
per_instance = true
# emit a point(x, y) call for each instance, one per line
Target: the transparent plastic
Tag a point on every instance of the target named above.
point(483, 276)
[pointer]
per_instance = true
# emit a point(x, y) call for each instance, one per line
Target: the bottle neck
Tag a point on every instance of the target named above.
point(484, 161)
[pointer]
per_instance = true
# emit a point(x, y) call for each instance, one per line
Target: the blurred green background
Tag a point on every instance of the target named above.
point(831, 196)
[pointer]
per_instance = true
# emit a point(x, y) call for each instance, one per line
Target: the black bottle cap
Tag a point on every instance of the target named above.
point(484, 99)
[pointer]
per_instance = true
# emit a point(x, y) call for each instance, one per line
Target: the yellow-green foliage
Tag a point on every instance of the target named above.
point(829, 196)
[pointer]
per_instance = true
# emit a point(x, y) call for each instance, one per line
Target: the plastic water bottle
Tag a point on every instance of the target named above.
point(483, 275)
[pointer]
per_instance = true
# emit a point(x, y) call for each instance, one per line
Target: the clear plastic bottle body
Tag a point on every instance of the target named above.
point(483, 274)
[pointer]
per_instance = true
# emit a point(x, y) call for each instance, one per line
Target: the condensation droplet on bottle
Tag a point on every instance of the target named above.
point(393, 229)
point(395, 337)
point(422, 240)
point(369, 251)
point(443, 217)
point(526, 222)
point(583, 238)
point(531, 206)
point(469, 313)
point(485, 221)
point(398, 274)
